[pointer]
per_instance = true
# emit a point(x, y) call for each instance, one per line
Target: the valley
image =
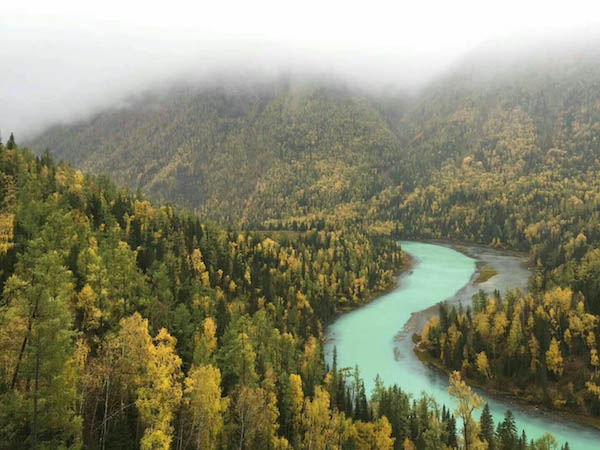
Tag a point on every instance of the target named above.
point(290, 261)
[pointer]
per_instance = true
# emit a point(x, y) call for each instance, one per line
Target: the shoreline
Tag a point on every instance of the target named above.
point(539, 409)
point(418, 319)
point(461, 246)
point(408, 264)
point(372, 337)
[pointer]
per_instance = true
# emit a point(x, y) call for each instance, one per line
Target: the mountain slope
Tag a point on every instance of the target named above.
point(506, 156)
point(510, 117)
point(229, 151)
point(117, 313)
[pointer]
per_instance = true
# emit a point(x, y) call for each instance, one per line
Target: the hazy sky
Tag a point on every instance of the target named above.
point(59, 59)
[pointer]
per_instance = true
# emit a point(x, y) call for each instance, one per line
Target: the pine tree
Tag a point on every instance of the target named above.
point(523, 441)
point(451, 429)
point(237, 357)
point(11, 144)
point(507, 431)
point(486, 423)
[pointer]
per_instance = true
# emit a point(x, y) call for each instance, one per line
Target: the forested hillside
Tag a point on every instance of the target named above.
point(518, 160)
point(508, 158)
point(116, 315)
point(237, 151)
point(128, 326)
point(541, 347)
point(505, 157)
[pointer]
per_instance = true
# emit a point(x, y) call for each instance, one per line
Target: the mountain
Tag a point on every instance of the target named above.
point(236, 151)
point(251, 151)
point(504, 157)
point(509, 159)
point(511, 114)
point(500, 150)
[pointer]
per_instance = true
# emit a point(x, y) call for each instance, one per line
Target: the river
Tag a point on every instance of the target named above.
point(376, 337)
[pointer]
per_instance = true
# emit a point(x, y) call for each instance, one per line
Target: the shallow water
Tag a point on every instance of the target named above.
point(372, 337)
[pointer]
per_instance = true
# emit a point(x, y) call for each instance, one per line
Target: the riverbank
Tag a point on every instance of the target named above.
point(368, 337)
point(537, 408)
point(503, 264)
point(407, 266)
point(464, 246)
point(418, 319)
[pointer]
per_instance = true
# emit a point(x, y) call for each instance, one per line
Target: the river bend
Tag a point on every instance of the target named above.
point(376, 337)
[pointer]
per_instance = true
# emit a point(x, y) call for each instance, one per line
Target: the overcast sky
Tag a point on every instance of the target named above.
point(60, 60)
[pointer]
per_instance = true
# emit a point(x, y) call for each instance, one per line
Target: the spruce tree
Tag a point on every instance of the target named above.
point(451, 427)
point(486, 423)
point(523, 441)
point(507, 431)
point(11, 144)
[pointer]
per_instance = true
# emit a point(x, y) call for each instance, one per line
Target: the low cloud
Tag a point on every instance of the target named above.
point(64, 60)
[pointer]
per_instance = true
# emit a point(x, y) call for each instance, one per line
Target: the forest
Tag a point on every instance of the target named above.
point(528, 183)
point(242, 153)
point(125, 325)
point(540, 347)
point(191, 313)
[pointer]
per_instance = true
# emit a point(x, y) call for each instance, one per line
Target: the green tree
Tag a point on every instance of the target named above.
point(237, 357)
point(11, 144)
point(486, 423)
point(43, 372)
point(507, 432)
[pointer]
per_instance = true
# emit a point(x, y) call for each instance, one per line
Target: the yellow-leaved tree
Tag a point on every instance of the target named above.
point(374, 436)
point(160, 393)
point(297, 402)
point(151, 369)
point(203, 407)
point(554, 358)
point(483, 366)
point(467, 403)
point(253, 419)
point(205, 343)
point(6, 232)
point(323, 430)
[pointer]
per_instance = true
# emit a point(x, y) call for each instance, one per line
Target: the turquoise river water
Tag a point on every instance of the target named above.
point(375, 337)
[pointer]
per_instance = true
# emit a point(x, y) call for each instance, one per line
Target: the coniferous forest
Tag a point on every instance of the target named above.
point(125, 325)
point(182, 302)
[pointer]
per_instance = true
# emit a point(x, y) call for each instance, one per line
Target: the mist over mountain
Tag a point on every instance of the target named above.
point(223, 147)
point(212, 184)
point(259, 148)
point(68, 61)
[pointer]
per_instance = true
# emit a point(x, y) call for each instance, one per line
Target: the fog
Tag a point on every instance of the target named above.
point(63, 60)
